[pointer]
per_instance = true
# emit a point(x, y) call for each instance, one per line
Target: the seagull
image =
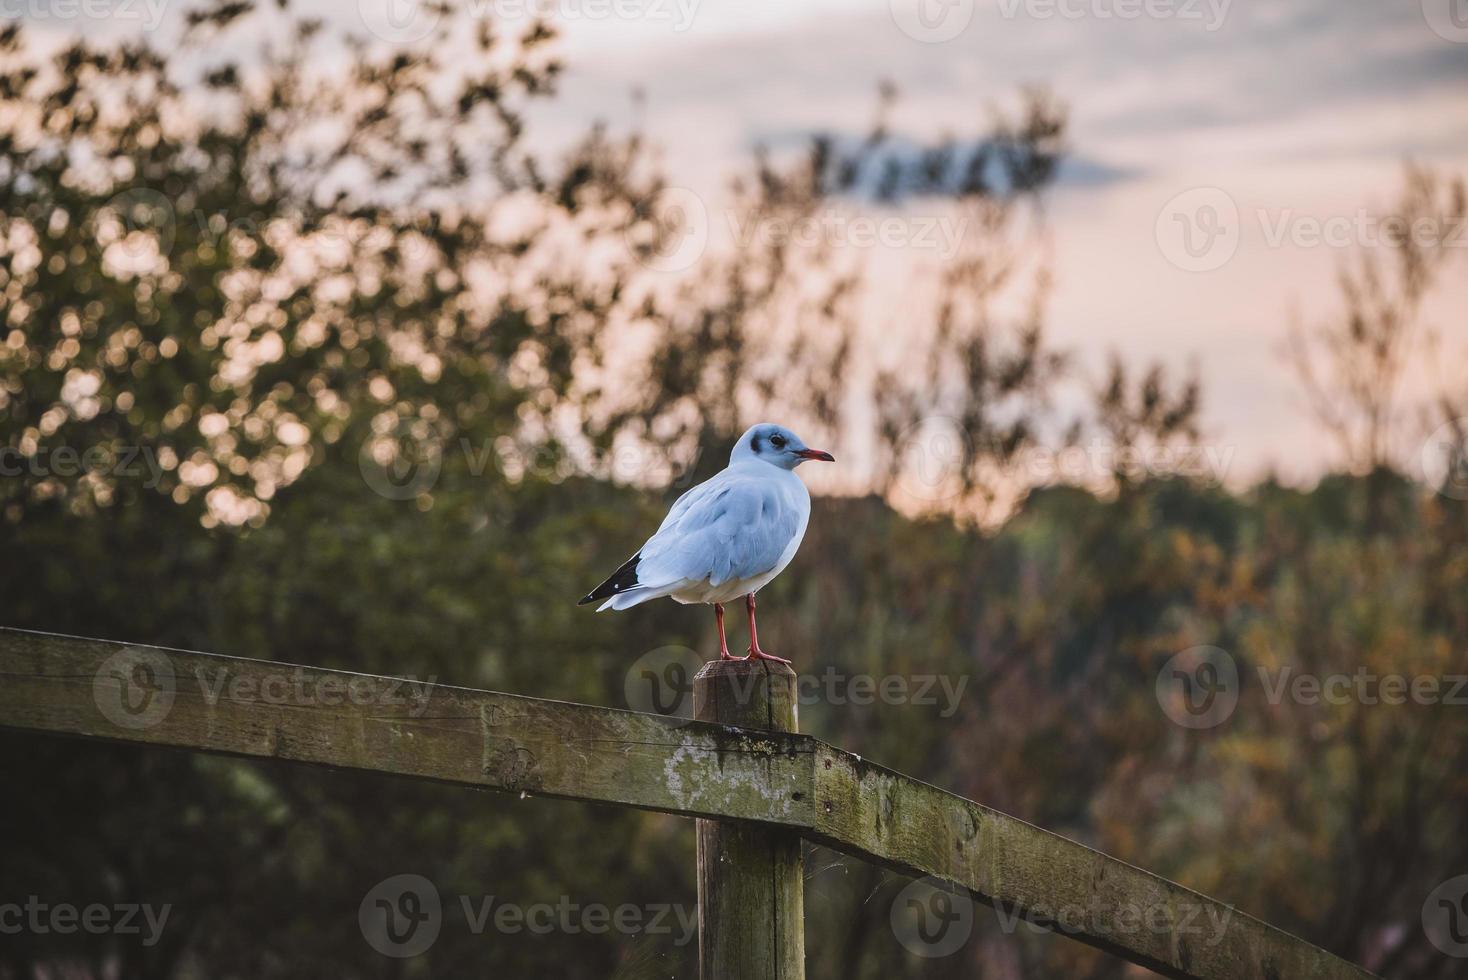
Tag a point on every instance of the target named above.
point(726, 537)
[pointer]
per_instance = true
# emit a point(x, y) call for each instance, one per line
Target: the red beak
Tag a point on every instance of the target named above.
point(820, 454)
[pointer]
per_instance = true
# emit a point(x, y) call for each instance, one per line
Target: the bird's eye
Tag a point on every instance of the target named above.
point(777, 441)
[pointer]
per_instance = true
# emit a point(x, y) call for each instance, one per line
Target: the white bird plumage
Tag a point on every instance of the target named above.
point(726, 537)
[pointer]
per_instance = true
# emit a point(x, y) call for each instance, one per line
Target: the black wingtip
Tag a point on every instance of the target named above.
point(622, 579)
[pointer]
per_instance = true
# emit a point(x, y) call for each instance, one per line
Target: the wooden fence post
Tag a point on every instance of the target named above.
point(751, 923)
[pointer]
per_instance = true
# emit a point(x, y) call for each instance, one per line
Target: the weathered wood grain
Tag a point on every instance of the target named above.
point(751, 914)
point(99, 689)
point(1031, 875)
point(263, 709)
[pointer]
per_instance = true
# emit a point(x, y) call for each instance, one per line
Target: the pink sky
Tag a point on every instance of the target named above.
point(1285, 113)
point(1299, 112)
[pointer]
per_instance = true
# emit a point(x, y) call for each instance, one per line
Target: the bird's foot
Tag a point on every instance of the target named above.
point(756, 653)
point(724, 654)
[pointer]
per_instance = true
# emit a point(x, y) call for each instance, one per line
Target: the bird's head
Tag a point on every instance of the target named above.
point(776, 445)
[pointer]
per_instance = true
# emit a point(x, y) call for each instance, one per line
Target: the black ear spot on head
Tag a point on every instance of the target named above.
point(754, 442)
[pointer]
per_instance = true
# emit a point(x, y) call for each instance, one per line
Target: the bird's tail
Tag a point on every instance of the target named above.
point(624, 589)
point(630, 598)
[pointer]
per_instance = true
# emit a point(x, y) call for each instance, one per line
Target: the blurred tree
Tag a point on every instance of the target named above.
point(291, 351)
point(1352, 366)
point(208, 287)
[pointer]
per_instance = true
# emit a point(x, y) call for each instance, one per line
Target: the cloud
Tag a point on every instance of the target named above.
point(1136, 85)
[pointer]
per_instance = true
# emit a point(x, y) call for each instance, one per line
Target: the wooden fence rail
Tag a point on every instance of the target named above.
point(790, 782)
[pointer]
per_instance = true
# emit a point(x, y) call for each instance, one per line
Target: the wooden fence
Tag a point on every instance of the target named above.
point(757, 787)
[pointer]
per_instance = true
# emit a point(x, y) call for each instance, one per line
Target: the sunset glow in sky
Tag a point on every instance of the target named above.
point(1224, 154)
point(1299, 114)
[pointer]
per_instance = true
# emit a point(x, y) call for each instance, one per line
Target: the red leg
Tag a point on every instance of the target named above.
point(723, 643)
point(755, 653)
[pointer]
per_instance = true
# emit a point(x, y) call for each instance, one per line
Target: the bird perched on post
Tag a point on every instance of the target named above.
point(726, 537)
